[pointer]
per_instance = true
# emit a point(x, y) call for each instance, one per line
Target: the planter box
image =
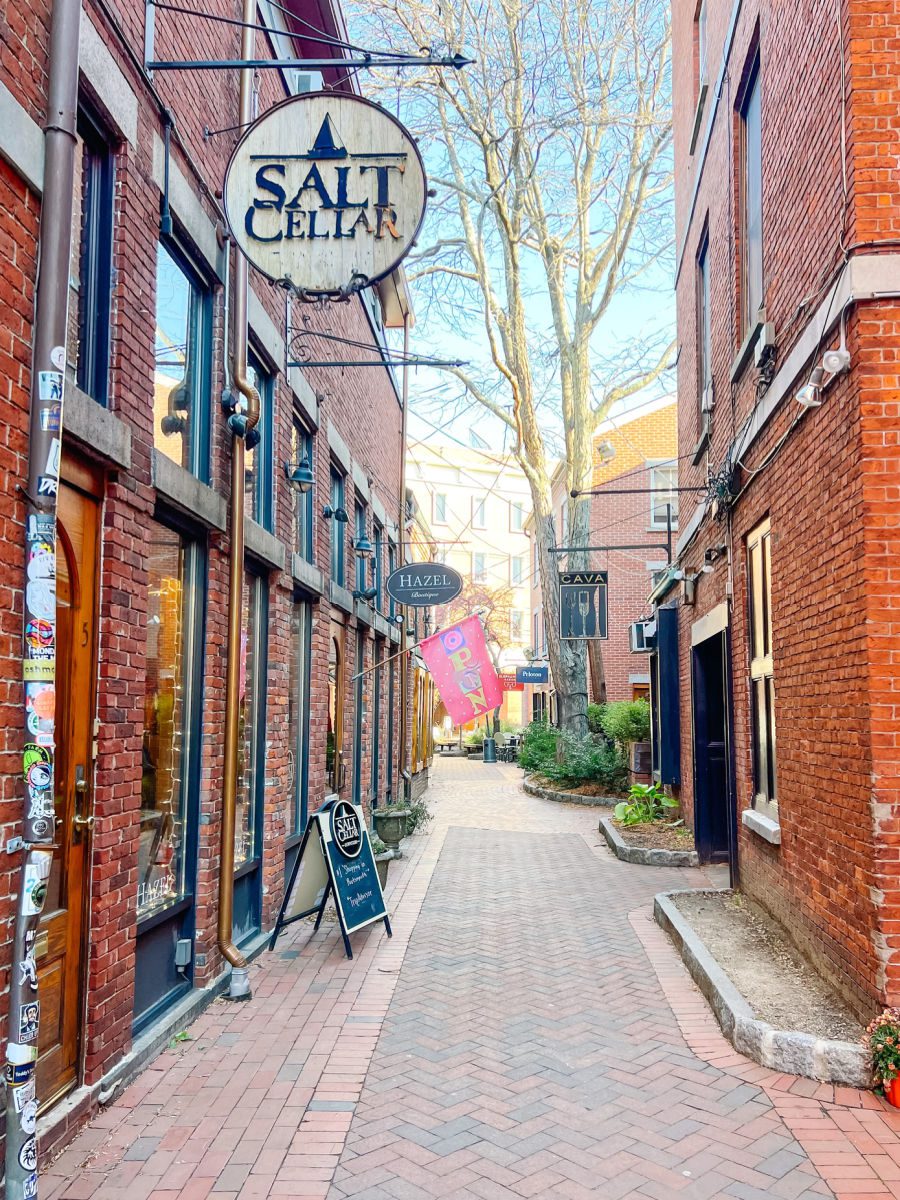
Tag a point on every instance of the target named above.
point(382, 862)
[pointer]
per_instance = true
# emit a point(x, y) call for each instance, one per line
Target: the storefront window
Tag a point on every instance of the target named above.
point(251, 716)
point(172, 599)
point(180, 384)
point(334, 740)
point(298, 714)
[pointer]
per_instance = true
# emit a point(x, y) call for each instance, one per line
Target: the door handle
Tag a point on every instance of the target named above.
point(80, 822)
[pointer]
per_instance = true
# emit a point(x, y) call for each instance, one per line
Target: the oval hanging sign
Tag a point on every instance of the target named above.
point(325, 192)
point(420, 585)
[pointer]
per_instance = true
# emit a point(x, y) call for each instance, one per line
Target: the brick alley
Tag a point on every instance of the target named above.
point(528, 1031)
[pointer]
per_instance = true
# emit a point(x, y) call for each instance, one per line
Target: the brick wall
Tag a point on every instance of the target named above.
point(827, 487)
point(362, 405)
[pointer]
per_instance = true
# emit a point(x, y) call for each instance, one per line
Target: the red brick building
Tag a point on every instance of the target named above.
point(128, 946)
point(635, 461)
point(786, 599)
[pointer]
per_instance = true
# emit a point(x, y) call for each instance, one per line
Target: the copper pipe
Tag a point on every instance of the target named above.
point(239, 986)
point(405, 777)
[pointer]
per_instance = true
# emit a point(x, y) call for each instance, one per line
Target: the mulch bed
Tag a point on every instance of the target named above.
point(656, 835)
point(577, 789)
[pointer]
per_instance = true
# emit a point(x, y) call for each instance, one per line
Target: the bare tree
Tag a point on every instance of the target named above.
point(551, 159)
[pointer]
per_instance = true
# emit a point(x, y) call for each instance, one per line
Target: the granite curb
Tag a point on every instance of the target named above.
point(645, 856)
point(790, 1051)
point(569, 797)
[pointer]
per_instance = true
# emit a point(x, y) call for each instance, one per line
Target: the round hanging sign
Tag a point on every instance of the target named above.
point(421, 585)
point(325, 192)
point(345, 829)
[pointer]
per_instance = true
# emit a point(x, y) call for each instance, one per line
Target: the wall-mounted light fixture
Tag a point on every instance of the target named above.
point(363, 547)
point(810, 395)
point(299, 475)
point(339, 514)
point(365, 593)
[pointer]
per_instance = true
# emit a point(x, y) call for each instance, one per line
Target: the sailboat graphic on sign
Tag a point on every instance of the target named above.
point(327, 144)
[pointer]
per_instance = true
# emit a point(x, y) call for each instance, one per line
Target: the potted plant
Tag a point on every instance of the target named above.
point(390, 824)
point(883, 1039)
point(627, 723)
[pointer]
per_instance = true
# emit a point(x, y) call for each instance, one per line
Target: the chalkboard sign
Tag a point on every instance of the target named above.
point(335, 859)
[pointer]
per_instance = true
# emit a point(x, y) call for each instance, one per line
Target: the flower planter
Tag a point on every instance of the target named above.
point(390, 825)
point(382, 862)
point(892, 1091)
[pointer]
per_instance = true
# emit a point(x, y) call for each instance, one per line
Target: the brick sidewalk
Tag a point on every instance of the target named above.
point(527, 1032)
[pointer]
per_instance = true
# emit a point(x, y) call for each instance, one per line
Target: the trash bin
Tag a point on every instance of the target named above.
point(490, 750)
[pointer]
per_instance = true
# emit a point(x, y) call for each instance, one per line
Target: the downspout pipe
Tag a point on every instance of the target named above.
point(240, 424)
point(48, 366)
point(403, 772)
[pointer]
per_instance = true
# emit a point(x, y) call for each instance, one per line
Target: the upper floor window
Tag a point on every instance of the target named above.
point(392, 566)
point(478, 514)
point(702, 45)
point(440, 508)
point(762, 681)
point(377, 561)
point(90, 276)
point(516, 570)
point(360, 532)
point(516, 515)
point(302, 502)
point(751, 232)
point(479, 568)
point(182, 353)
point(337, 528)
point(258, 459)
point(516, 625)
point(704, 331)
point(663, 495)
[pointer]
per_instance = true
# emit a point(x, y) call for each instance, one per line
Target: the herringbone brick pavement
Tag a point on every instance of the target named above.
point(527, 1032)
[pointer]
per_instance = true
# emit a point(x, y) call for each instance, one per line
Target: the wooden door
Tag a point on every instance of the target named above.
point(60, 948)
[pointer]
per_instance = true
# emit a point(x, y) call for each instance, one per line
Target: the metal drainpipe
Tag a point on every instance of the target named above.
point(48, 366)
point(404, 774)
point(239, 984)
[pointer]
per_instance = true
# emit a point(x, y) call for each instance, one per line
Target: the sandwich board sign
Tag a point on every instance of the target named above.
point(336, 860)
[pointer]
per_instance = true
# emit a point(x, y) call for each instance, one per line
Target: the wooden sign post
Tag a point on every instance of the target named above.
point(335, 859)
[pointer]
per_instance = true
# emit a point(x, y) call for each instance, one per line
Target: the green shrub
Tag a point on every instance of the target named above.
point(538, 749)
point(627, 721)
point(419, 816)
point(595, 717)
point(646, 802)
point(588, 760)
point(475, 738)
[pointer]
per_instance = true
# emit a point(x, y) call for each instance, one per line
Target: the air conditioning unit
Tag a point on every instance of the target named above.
point(765, 344)
point(642, 637)
point(307, 81)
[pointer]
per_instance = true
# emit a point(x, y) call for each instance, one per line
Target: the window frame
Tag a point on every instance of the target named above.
point(762, 670)
point(337, 548)
point(704, 326)
point(302, 503)
point(516, 578)
point(377, 566)
point(95, 265)
point(479, 575)
point(334, 778)
point(360, 529)
point(751, 172)
point(479, 512)
point(257, 631)
point(516, 635)
point(195, 593)
point(199, 448)
point(299, 694)
point(439, 510)
point(516, 507)
point(663, 464)
point(261, 507)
